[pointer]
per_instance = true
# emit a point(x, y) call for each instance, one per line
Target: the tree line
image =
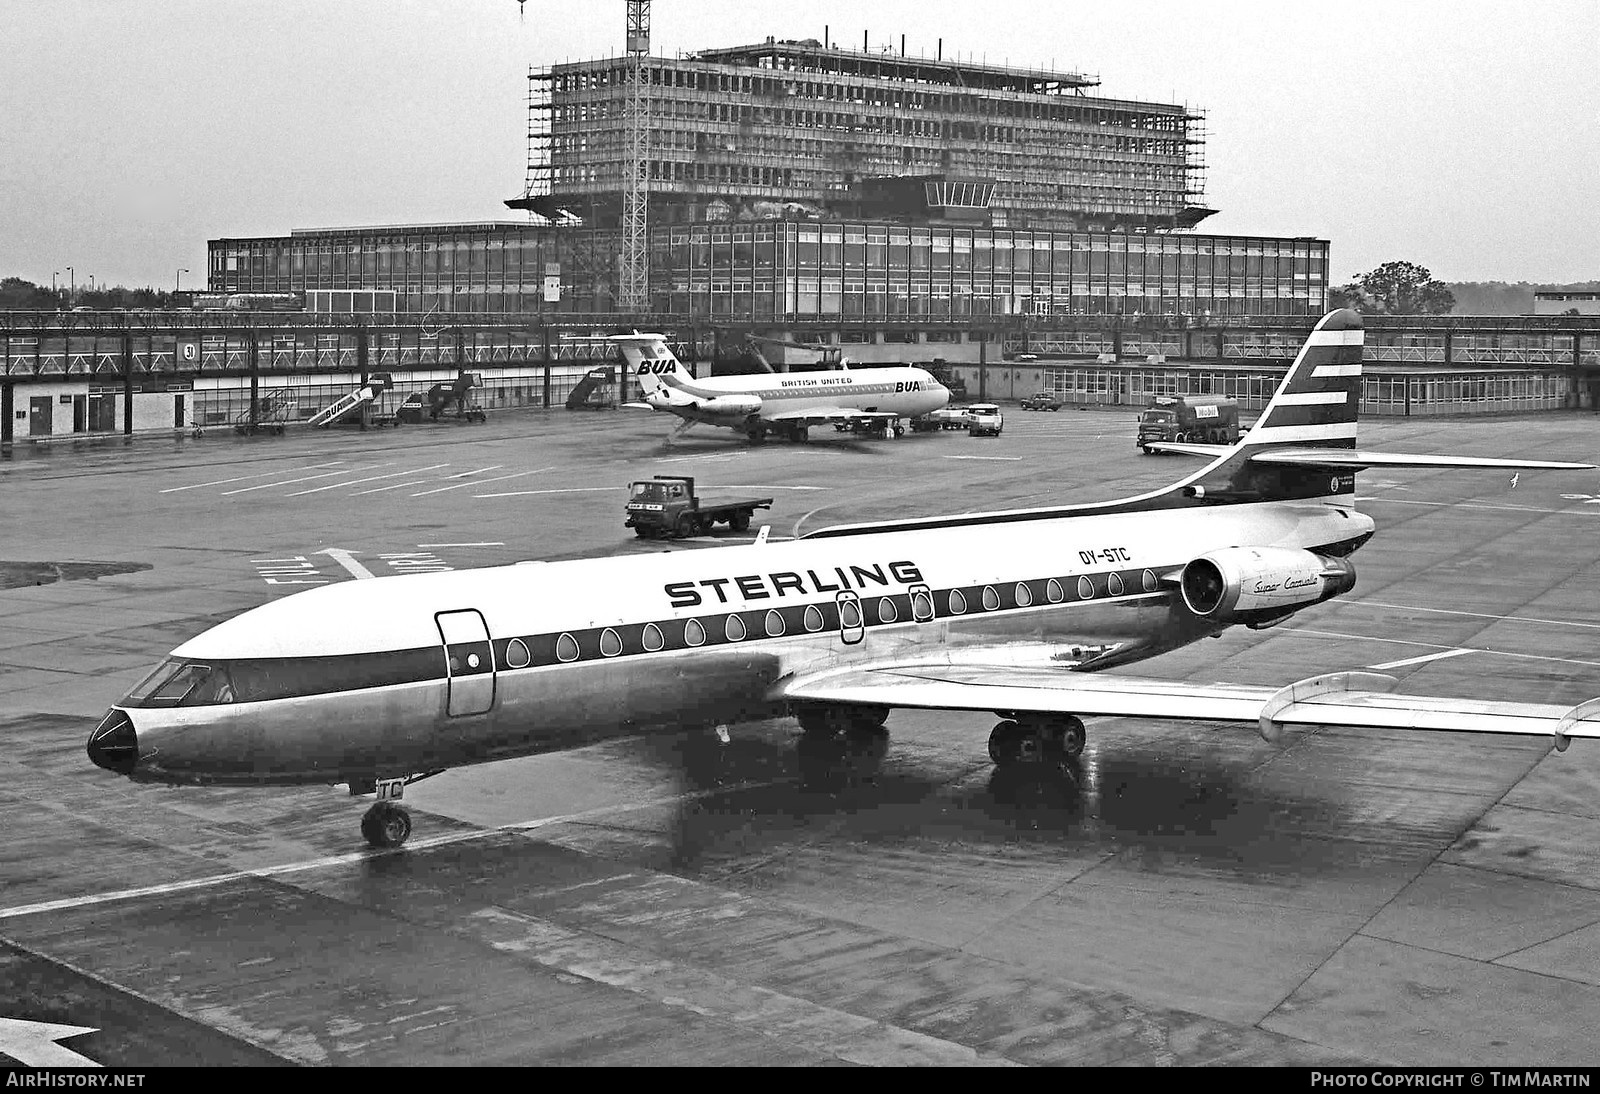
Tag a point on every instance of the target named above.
point(17, 294)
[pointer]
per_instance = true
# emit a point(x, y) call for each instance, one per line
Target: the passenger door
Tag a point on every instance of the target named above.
point(470, 660)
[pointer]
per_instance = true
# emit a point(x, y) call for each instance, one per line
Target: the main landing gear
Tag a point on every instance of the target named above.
point(1036, 738)
point(827, 721)
point(840, 746)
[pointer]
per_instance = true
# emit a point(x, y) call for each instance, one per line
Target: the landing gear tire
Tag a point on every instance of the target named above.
point(386, 825)
point(1036, 741)
point(1067, 736)
point(828, 720)
point(1005, 743)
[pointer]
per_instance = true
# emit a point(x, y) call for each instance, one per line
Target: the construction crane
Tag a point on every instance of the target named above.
point(633, 276)
point(633, 261)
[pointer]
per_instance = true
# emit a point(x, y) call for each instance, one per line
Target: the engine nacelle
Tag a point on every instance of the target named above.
point(1261, 585)
point(732, 406)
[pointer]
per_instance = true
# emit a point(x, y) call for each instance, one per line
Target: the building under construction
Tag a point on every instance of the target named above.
point(791, 183)
point(807, 129)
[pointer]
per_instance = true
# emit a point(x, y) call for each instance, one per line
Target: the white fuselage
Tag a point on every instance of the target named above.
point(542, 656)
point(732, 401)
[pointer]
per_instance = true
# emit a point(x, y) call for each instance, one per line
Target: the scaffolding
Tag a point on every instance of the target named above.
point(793, 130)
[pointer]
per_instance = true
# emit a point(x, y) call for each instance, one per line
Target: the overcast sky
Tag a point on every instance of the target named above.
point(1462, 135)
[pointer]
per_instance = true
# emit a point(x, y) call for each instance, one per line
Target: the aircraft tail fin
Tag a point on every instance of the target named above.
point(652, 363)
point(1304, 443)
point(1318, 401)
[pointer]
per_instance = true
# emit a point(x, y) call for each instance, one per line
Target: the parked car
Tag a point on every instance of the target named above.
point(1041, 400)
point(984, 420)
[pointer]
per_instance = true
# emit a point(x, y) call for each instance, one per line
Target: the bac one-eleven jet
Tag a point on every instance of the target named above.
point(785, 403)
point(380, 683)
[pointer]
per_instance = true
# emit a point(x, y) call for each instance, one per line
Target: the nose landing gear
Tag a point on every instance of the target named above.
point(386, 825)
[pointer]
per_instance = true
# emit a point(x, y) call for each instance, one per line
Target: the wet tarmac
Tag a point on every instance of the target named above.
point(1184, 894)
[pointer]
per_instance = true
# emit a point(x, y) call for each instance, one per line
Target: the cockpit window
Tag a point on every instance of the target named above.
point(182, 683)
point(144, 687)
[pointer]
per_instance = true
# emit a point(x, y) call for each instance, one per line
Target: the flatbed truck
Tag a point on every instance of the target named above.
point(667, 507)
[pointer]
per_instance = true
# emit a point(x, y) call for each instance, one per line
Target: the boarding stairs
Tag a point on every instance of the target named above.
point(352, 402)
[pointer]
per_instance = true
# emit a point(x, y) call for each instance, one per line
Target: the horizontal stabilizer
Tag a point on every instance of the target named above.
point(1333, 457)
point(1209, 451)
point(637, 406)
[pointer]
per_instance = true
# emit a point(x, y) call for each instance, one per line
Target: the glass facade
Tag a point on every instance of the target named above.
point(777, 271)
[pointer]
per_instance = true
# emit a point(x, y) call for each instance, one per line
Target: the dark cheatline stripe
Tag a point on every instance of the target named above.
point(1314, 414)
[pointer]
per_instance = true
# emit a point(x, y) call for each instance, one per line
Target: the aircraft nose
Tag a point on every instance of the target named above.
point(114, 745)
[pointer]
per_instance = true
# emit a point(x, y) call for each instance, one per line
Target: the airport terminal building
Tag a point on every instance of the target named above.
point(778, 272)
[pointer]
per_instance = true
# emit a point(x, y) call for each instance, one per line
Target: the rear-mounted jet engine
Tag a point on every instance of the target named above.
point(1260, 586)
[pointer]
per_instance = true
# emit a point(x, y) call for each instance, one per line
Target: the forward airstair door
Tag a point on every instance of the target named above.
point(470, 658)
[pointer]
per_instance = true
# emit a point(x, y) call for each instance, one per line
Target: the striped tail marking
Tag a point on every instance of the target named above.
point(1317, 401)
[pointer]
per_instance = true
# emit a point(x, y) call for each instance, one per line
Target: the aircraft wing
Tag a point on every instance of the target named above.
point(1357, 699)
point(819, 415)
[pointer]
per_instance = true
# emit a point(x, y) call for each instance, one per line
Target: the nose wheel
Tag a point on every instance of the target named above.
point(1036, 739)
point(386, 825)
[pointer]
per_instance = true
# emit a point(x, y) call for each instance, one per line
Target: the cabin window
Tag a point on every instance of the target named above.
point(774, 623)
point(652, 637)
point(610, 643)
point(1024, 594)
point(887, 612)
point(991, 599)
point(814, 620)
point(566, 648)
point(517, 656)
point(694, 634)
point(1053, 592)
point(1085, 589)
point(921, 606)
point(958, 603)
point(734, 629)
point(1149, 580)
point(1114, 584)
point(849, 613)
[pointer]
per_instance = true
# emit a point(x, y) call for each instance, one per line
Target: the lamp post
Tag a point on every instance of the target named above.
point(72, 285)
point(177, 282)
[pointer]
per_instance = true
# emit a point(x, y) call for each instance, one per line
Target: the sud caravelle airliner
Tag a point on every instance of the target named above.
point(380, 683)
point(785, 403)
